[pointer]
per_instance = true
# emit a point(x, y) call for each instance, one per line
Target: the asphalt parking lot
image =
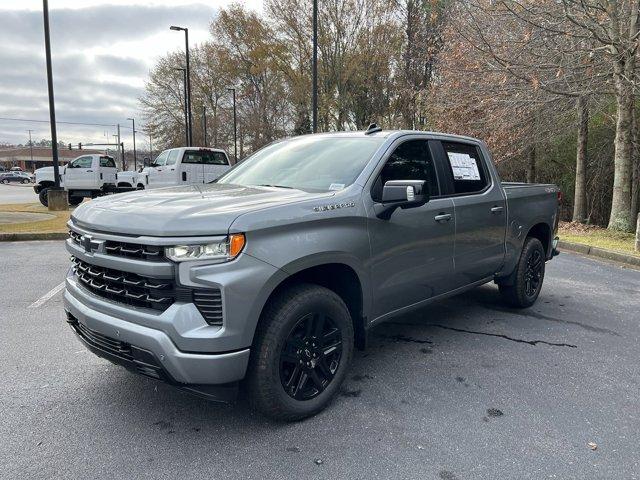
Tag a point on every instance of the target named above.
point(464, 389)
point(16, 193)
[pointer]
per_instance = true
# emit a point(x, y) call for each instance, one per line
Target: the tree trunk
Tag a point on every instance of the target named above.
point(580, 193)
point(620, 217)
point(635, 175)
point(531, 164)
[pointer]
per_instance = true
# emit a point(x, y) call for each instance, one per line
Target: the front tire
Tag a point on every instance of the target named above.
point(529, 276)
point(301, 353)
point(5, 181)
point(43, 196)
point(75, 201)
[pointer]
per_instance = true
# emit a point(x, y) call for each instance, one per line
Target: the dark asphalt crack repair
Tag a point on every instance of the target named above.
point(499, 335)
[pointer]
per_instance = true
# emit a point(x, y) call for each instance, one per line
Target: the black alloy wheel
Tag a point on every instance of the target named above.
point(310, 356)
point(533, 273)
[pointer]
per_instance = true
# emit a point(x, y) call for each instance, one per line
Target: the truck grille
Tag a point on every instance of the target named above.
point(125, 287)
point(126, 249)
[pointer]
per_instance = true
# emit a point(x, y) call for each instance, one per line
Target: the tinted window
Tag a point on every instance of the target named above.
point(81, 162)
point(313, 163)
point(410, 161)
point(107, 162)
point(469, 175)
point(205, 157)
point(172, 157)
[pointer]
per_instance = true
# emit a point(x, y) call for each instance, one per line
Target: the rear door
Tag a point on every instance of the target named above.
point(480, 211)
point(81, 173)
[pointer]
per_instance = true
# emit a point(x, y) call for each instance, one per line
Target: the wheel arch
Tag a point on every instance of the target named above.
point(542, 231)
point(338, 275)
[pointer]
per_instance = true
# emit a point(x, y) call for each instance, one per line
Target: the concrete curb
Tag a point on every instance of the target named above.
point(21, 237)
point(600, 252)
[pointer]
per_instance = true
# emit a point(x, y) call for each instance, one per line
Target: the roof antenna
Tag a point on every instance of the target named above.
point(372, 128)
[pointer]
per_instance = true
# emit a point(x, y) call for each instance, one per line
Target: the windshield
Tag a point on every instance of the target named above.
point(307, 163)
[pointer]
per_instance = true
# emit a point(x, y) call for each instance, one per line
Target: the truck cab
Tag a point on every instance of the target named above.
point(185, 166)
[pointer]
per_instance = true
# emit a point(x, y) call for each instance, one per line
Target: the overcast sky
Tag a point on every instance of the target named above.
point(102, 52)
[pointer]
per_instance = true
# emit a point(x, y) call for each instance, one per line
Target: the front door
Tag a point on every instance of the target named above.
point(154, 175)
point(412, 252)
point(80, 174)
point(480, 212)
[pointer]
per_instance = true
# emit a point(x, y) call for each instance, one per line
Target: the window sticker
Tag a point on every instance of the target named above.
point(464, 166)
point(336, 186)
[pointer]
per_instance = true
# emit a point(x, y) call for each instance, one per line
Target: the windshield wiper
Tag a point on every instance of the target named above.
point(274, 186)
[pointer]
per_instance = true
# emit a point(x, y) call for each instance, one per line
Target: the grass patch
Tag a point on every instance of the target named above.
point(598, 237)
point(56, 224)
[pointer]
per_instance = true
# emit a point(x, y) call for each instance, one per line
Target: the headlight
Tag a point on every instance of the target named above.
point(223, 251)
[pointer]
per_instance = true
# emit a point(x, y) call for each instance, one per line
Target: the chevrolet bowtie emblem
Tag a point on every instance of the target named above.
point(92, 245)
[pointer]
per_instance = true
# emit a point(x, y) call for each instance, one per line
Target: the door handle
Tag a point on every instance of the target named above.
point(496, 209)
point(89, 171)
point(442, 217)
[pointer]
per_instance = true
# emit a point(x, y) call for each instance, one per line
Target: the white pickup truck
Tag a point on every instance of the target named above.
point(94, 175)
point(90, 175)
point(184, 166)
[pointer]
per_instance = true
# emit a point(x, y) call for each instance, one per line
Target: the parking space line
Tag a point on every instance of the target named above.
point(47, 296)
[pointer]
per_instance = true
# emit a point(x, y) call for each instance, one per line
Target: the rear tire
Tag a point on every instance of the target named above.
point(75, 201)
point(301, 353)
point(25, 181)
point(5, 181)
point(43, 196)
point(529, 276)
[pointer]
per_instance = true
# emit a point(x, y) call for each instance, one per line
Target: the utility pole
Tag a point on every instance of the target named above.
point(186, 106)
point(235, 127)
point(314, 68)
point(204, 124)
point(188, 74)
point(135, 157)
point(30, 146)
point(57, 201)
point(150, 150)
point(121, 148)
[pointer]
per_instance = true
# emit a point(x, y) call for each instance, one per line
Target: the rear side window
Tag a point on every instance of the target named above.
point(410, 161)
point(205, 157)
point(107, 162)
point(467, 168)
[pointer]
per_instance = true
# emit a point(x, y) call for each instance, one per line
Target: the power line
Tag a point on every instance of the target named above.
point(66, 123)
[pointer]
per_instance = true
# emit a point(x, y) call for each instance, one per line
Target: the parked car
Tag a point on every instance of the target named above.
point(15, 177)
point(16, 169)
point(184, 166)
point(274, 273)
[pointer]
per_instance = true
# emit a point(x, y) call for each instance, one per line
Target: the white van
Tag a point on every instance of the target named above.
point(184, 166)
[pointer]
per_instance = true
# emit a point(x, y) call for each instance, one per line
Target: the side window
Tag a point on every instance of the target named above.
point(107, 162)
point(469, 174)
point(160, 159)
point(410, 161)
point(81, 162)
point(172, 157)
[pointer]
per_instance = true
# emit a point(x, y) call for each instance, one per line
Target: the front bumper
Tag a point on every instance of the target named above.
point(171, 364)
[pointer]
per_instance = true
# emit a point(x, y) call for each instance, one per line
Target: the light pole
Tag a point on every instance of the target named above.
point(52, 107)
point(235, 127)
point(204, 124)
point(314, 69)
point(186, 107)
point(188, 76)
point(135, 165)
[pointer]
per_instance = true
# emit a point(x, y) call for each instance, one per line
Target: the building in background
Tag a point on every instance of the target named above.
point(22, 157)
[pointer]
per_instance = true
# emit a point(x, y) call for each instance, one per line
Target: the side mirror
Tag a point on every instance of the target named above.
point(401, 194)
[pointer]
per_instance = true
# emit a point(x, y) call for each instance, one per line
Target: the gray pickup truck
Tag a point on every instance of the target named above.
point(275, 272)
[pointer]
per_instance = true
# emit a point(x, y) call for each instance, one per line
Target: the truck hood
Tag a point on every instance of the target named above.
point(189, 210)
